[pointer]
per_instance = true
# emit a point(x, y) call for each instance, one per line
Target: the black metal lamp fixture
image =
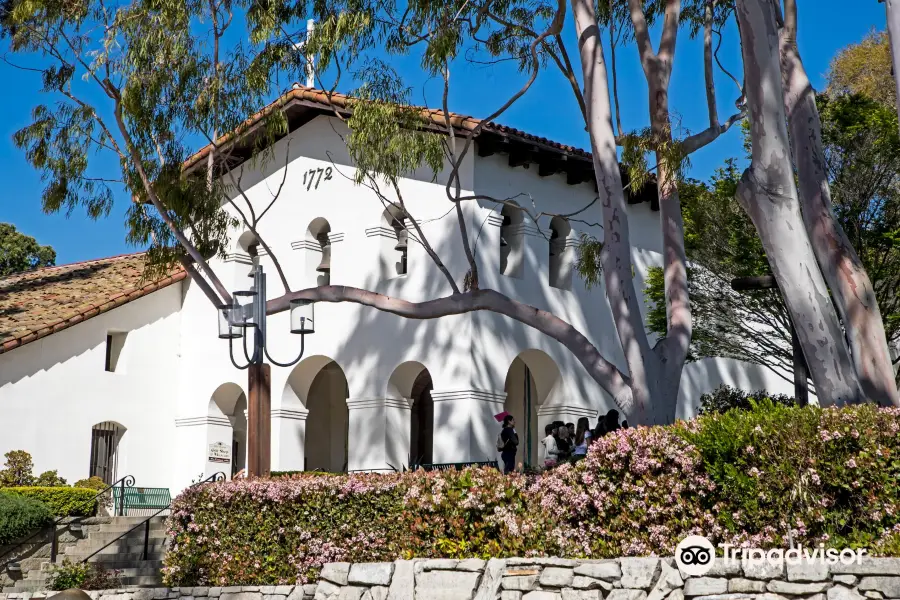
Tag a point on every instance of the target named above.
point(248, 311)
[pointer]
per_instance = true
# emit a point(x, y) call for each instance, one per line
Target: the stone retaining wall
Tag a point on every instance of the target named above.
point(31, 555)
point(555, 579)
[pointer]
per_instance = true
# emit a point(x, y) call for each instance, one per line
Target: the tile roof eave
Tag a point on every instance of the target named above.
point(336, 101)
point(91, 311)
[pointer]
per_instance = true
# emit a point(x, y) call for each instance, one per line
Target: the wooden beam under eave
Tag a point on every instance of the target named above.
point(576, 176)
point(550, 165)
point(485, 148)
point(518, 157)
point(546, 168)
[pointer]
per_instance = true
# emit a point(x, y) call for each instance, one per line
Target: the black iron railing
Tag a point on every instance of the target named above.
point(220, 476)
point(124, 482)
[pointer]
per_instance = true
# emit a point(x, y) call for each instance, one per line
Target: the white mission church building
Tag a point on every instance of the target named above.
point(102, 373)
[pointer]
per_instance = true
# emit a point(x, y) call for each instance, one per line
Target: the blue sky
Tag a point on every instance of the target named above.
point(549, 110)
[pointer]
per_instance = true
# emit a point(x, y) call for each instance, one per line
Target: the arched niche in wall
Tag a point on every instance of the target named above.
point(395, 246)
point(318, 251)
point(562, 253)
point(245, 257)
point(512, 245)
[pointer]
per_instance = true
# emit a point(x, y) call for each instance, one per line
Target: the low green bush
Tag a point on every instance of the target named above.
point(50, 479)
point(62, 501)
point(19, 516)
point(767, 476)
point(91, 483)
point(724, 398)
point(17, 469)
point(82, 576)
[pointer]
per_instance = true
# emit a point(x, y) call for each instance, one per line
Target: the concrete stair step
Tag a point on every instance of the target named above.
point(142, 581)
point(132, 520)
point(155, 525)
point(116, 564)
point(123, 545)
point(155, 529)
point(103, 557)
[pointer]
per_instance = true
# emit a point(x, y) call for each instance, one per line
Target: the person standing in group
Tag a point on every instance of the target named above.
point(508, 444)
point(582, 438)
point(611, 421)
point(563, 442)
point(550, 453)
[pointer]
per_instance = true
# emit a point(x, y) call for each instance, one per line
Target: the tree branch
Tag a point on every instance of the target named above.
point(708, 65)
point(642, 35)
point(197, 278)
point(692, 143)
point(613, 69)
point(163, 213)
point(669, 34)
point(601, 370)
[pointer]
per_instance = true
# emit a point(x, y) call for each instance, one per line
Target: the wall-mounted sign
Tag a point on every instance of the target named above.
point(219, 453)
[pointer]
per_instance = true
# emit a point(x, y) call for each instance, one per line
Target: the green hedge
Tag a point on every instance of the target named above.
point(746, 476)
point(62, 501)
point(19, 516)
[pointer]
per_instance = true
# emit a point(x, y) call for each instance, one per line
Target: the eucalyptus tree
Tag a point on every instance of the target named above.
point(20, 252)
point(146, 82)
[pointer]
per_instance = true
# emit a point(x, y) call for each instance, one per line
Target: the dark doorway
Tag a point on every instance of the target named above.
point(421, 436)
point(104, 455)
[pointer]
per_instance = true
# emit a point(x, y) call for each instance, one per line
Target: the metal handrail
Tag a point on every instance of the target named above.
point(220, 476)
point(124, 482)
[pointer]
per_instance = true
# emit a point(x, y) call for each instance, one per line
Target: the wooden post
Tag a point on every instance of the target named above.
point(259, 421)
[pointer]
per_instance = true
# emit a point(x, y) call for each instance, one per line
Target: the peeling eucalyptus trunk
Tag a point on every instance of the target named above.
point(674, 348)
point(844, 273)
point(652, 400)
point(893, 27)
point(768, 194)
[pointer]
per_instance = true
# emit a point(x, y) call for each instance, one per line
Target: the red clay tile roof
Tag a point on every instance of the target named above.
point(40, 302)
point(335, 101)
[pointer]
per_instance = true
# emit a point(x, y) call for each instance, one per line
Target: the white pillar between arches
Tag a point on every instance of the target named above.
point(288, 439)
point(465, 429)
point(378, 433)
point(196, 436)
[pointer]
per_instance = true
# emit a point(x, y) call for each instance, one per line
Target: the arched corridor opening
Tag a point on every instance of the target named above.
point(412, 382)
point(421, 433)
point(529, 381)
point(318, 384)
point(228, 429)
point(328, 422)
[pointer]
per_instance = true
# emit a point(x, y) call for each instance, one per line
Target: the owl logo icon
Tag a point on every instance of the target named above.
point(694, 555)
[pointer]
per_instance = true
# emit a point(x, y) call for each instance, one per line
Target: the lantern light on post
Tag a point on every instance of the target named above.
point(302, 316)
point(243, 312)
point(227, 331)
point(249, 311)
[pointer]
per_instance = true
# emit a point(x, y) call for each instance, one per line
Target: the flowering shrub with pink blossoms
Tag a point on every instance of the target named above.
point(764, 477)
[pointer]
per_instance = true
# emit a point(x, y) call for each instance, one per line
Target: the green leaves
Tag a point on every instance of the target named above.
point(388, 138)
point(20, 252)
point(589, 262)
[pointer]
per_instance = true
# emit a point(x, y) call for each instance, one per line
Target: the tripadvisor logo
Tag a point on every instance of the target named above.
point(694, 555)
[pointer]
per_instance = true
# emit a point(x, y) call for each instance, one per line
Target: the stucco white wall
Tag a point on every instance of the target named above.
point(56, 388)
point(53, 390)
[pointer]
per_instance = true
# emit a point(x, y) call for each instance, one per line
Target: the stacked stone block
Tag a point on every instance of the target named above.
point(647, 578)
